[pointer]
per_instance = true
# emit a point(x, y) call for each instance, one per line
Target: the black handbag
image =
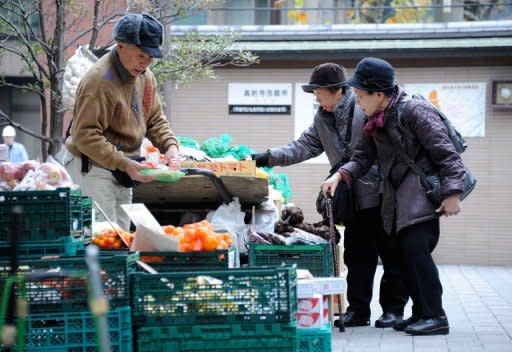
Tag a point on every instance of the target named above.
point(432, 183)
point(343, 201)
point(343, 205)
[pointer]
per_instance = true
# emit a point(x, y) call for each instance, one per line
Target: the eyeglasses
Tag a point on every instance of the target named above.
point(359, 97)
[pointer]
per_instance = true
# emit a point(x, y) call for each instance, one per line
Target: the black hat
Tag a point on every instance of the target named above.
point(372, 75)
point(327, 75)
point(142, 30)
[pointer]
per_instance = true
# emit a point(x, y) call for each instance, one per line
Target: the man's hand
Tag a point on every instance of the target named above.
point(450, 205)
point(132, 169)
point(262, 159)
point(173, 157)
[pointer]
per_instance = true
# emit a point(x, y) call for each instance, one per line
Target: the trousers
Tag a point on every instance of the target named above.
point(365, 241)
point(100, 184)
point(420, 274)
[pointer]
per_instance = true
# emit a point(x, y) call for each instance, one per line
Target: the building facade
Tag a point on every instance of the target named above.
point(467, 66)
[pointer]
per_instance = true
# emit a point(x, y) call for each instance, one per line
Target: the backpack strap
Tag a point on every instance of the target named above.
point(400, 110)
point(408, 160)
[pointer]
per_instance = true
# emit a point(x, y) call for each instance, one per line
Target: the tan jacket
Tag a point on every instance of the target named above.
point(114, 111)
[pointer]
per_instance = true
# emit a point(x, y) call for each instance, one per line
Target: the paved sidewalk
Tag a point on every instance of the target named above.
point(478, 303)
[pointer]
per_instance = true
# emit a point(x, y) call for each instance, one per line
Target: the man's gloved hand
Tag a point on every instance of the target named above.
point(262, 159)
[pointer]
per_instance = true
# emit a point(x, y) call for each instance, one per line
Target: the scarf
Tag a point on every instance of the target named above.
point(377, 120)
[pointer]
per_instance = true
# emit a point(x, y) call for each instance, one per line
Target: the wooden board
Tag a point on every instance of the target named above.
point(197, 190)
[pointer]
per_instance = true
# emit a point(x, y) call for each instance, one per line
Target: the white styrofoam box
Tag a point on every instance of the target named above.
point(310, 320)
point(325, 304)
point(321, 285)
point(311, 304)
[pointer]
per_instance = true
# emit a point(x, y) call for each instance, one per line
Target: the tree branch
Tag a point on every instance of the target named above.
point(21, 37)
point(95, 29)
point(100, 25)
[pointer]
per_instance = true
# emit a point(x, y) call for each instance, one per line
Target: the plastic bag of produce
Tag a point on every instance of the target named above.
point(230, 218)
point(76, 67)
point(163, 174)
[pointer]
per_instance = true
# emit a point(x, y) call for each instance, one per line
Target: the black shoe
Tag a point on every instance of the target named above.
point(401, 324)
point(386, 320)
point(429, 326)
point(354, 319)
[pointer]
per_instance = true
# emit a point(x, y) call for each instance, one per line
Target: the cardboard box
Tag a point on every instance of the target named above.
point(225, 168)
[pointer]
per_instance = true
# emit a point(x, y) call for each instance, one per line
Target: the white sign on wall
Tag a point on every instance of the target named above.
point(260, 98)
point(306, 107)
point(462, 103)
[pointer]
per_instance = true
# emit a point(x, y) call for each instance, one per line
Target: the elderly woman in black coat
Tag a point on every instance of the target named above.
point(407, 214)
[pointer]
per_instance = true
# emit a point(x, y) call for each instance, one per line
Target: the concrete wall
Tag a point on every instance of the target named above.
point(481, 234)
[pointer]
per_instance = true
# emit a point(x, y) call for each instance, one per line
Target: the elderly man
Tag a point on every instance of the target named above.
point(117, 105)
point(17, 151)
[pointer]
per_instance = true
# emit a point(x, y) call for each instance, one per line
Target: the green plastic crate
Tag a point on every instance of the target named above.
point(316, 258)
point(172, 261)
point(81, 219)
point(69, 293)
point(269, 337)
point(234, 295)
point(62, 247)
point(315, 340)
point(74, 332)
point(47, 214)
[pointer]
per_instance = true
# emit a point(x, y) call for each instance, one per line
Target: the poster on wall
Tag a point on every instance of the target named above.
point(305, 110)
point(260, 98)
point(462, 103)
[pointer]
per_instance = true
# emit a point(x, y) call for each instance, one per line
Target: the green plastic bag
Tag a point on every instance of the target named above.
point(163, 175)
point(220, 148)
point(188, 142)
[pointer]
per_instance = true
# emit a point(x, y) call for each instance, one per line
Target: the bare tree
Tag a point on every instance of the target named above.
point(43, 33)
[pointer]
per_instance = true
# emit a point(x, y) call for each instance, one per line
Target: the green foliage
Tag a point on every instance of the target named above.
point(194, 57)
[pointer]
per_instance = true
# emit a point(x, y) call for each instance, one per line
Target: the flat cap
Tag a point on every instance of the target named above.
point(142, 30)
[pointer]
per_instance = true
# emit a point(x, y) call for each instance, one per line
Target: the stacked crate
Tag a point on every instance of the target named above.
point(59, 317)
point(55, 223)
point(315, 258)
point(241, 309)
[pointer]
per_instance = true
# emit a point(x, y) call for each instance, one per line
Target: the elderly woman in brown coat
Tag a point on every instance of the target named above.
point(407, 214)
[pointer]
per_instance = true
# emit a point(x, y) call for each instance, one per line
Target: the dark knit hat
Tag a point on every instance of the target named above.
point(372, 75)
point(142, 30)
point(327, 75)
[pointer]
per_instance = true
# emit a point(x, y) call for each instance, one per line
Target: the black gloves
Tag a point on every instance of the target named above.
point(262, 159)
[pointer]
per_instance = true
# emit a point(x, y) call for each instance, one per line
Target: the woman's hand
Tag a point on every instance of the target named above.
point(450, 205)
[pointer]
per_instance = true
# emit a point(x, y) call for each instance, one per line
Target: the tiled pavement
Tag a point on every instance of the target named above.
point(478, 303)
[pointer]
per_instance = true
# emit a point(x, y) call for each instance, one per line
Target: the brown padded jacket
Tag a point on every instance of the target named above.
point(113, 112)
point(404, 201)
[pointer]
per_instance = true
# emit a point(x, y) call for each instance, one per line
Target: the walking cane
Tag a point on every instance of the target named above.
point(332, 240)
